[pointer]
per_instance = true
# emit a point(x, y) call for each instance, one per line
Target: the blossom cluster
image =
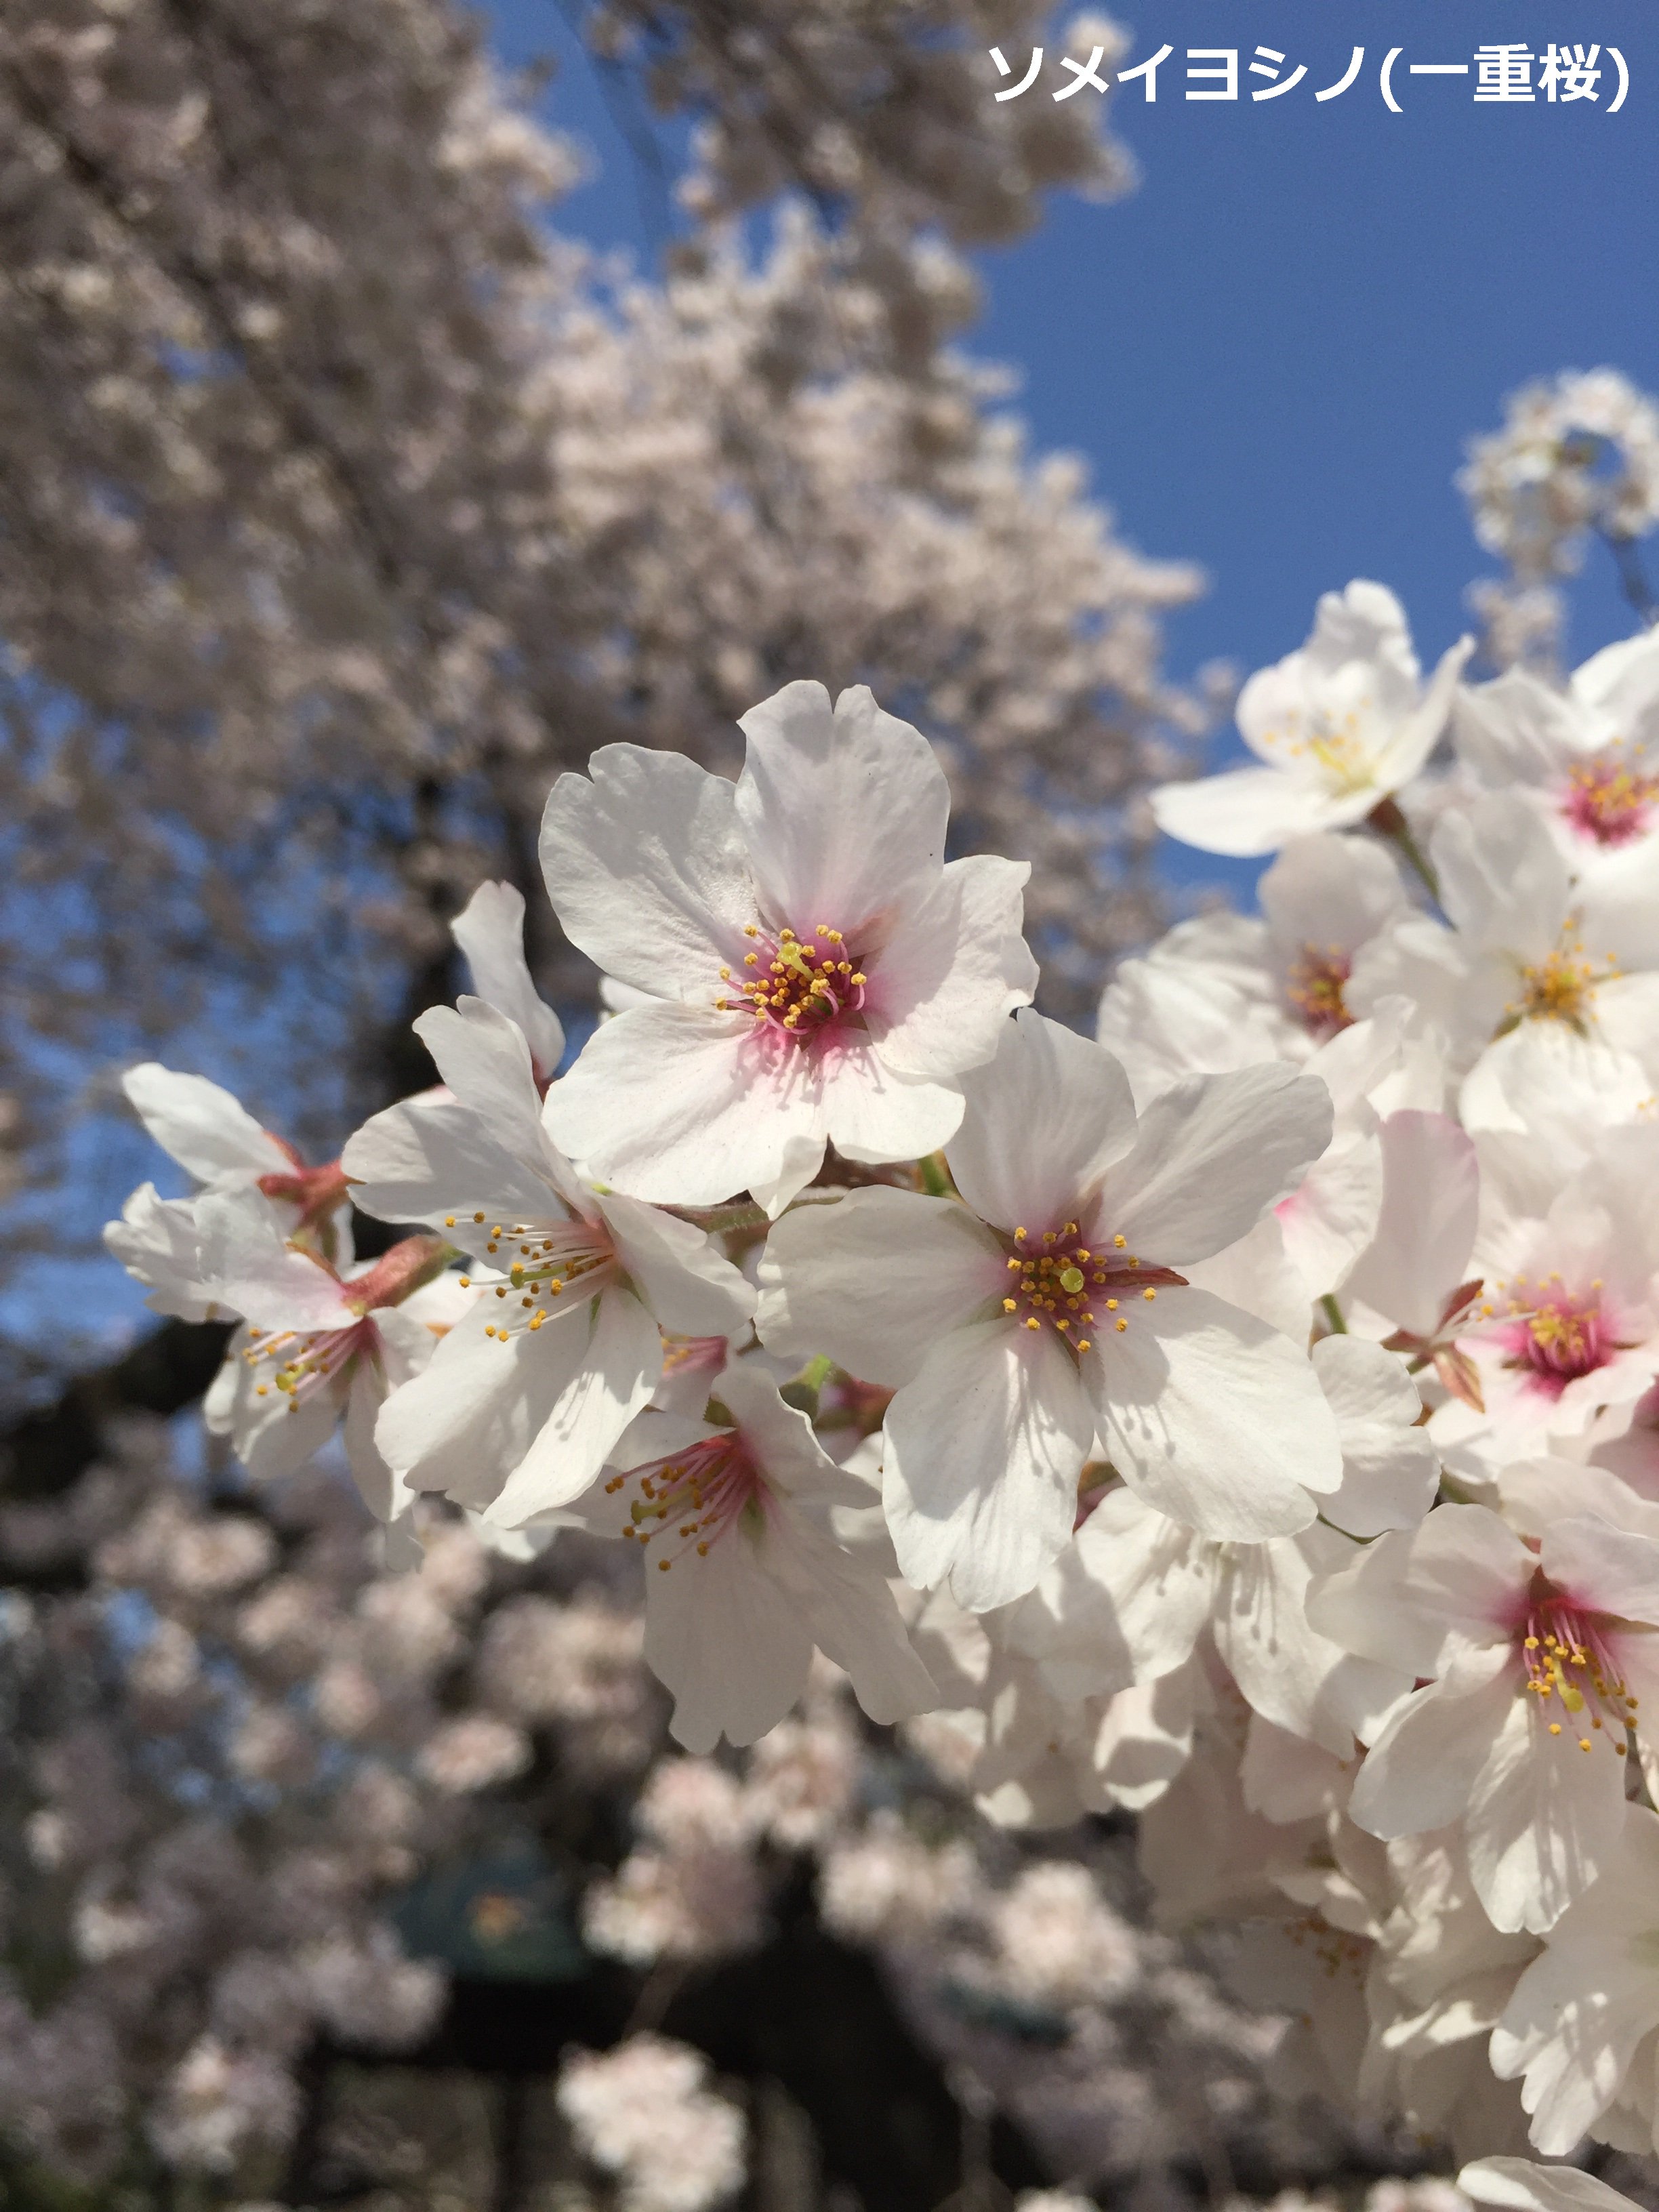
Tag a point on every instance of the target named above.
point(1247, 1419)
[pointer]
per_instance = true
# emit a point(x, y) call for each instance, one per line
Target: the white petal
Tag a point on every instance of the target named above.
point(437, 1162)
point(468, 1418)
point(1042, 1121)
point(1215, 1418)
point(873, 1115)
point(1210, 1155)
point(206, 1129)
point(955, 970)
point(684, 1106)
point(1331, 1216)
point(1255, 1275)
point(1159, 1579)
point(485, 1058)
point(1162, 1019)
point(983, 1451)
point(1503, 880)
point(490, 930)
point(844, 813)
point(1327, 892)
point(1291, 1675)
point(647, 872)
point(1516, 729)
point(256, 1272)
point(1607, 1569)
point(1425, 1230)
point(829, 1283)
point(1418, 1773)
point(156, 1242)
point(1247, 811)
point(1391, 1470)
point(1415, 738)
point(847, 1607)
point(1521, 2185)
point(728, 1639)
point(1416, 1596)
point(1544, 1817)
point(615, 1381)
point(688, 1286)
point(385, 1494)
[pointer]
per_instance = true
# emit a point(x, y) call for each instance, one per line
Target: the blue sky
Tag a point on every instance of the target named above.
point(1272, 352)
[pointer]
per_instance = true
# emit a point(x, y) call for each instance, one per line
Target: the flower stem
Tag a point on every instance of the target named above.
point(1385, 818)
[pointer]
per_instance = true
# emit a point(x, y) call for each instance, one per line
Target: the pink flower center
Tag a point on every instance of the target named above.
point(1557, 1335)
point(1073, 1288)
point(301, 1363)
point(1564, 1648)
point(693, 1496)
point(1608, 800)
point(796, 987)
point(1315, 986)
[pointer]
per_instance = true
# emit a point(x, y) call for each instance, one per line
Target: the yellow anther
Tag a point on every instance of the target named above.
point(1033, 1322)
point(1121, 1325)
point(1010, 1305)
point(1149, 1296)
point(466, 1282)
point(1084, 1345)
point(477, 1216)
point(1120, 1242)
point(449, 1221)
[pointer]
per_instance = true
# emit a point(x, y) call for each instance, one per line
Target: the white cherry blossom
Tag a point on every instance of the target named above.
point(1529, 945)
point(817, 973)
point(1339, 725)
point(1225, 990)
point(1049, 1304)
point(316, 1348)
point(1537, 1659)
point(744, 1574)
point(1587, 756)
point(528, 1394)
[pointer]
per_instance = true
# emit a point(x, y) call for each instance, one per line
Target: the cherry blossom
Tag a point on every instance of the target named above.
point(1050, 1304)
point(525, 1397)
point(317, 1347)
point(1340, 726)
point(818, 973)
point(1537, 1663)
point(743, 1573)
